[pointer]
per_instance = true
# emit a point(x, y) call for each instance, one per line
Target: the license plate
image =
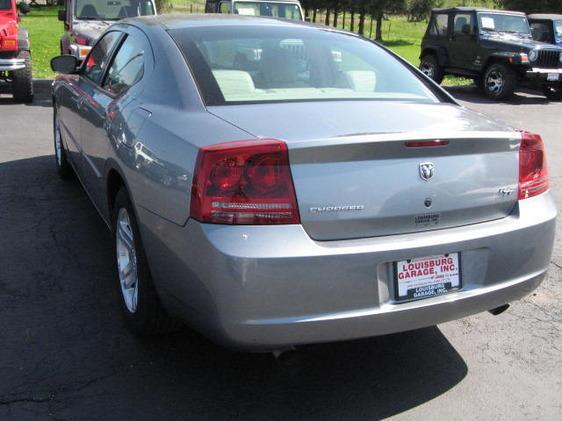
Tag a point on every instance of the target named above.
point(552, 77)
point(427, 276)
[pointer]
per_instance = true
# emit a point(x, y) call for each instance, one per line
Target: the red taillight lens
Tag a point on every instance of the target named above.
point(246, 182)
point(533, 172)
point(81, 40)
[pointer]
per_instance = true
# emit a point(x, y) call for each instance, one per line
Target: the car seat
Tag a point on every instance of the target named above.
point(90, 11)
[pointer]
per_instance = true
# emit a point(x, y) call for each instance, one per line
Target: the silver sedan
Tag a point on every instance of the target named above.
point(274, 183)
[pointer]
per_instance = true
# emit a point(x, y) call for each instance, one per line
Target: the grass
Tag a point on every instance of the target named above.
point(399, 35)
point(45, 31)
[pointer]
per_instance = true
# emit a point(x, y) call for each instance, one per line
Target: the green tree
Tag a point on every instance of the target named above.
point(419, 10)
point(532, 6)
point(379, 8)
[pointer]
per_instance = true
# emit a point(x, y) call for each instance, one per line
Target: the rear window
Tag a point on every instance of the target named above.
point(261, 8)
point(112, 9)
point(5, 4)
point(233, 65)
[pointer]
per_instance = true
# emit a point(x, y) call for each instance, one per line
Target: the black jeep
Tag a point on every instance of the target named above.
point(493, 47)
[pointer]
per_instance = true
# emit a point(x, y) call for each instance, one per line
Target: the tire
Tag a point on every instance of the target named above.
point(22, 84)
point(552, 93)
point(139, 301)
point(431, 68)
point(64, 169)
point(499, 82)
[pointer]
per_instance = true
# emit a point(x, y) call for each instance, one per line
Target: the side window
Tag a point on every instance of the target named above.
point(224, 7)
point(439, 25)
point(98, 59)
point(461, 21)
point(127, 67)
point(541, 31)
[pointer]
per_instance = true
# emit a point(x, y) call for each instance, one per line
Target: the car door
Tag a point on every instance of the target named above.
point(90, 76)
point(102, 104)
point(462, 46)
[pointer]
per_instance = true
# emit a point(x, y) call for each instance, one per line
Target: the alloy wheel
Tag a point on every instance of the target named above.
point(127, 261)
point(428, 69)
point(495, 82)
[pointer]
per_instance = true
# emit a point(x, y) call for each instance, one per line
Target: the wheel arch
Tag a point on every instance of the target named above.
point(439, 52)
point(497, 59)
point(23, 40)
point(114, 182)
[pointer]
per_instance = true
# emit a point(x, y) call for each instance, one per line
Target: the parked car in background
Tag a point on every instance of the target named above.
point(15, 52)
point(312, 194)
point(547, 28)
point(493, 47)
point(85, 20)
point(286, 9)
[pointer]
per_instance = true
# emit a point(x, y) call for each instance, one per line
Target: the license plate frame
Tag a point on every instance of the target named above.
point(429, 289)
point(553, 77)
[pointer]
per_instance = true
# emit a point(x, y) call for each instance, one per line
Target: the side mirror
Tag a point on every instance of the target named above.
point(24, 8)
point(62, 15)
point(467, 29)
point(66, 64)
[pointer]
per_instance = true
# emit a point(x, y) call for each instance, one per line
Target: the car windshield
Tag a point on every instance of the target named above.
point(112, 9)
point(504, 23)
point(5, 4)
point(277, 64)
point(275, 9)
point(558, 29)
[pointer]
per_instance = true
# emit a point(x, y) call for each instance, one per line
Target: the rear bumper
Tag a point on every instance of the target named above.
point(270, 287)
point(8, 65)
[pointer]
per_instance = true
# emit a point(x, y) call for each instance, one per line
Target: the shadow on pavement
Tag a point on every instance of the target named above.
point(41, 98)
point(65, 350)
point(473, 94)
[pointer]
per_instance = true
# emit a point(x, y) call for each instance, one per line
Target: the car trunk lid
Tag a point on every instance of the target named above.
point(357, 176)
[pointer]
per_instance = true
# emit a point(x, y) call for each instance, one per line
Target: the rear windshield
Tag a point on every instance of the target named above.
point(112, 9)
point(5, 4)
point(263, 8)
point(277, 64)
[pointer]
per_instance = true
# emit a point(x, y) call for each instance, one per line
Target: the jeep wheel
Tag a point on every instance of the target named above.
point(430, 67)
point(552, 93)
point(499, 82)
point(22, 85)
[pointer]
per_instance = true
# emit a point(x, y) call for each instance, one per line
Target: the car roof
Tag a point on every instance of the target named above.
point(545, 16)
point(477, 9)
point(207, 20)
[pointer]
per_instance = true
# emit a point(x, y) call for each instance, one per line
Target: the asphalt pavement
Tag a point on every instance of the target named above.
point(65, 352)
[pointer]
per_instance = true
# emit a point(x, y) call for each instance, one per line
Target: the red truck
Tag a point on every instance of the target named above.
point(15, 52)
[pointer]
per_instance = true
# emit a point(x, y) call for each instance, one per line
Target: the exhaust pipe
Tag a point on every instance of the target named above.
point(499, 310)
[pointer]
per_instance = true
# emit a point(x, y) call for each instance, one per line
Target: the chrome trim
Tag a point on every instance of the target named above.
point(11, 64)
point(537, 70)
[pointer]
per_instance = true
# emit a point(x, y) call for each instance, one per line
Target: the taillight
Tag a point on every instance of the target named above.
point(81, 40)
point(245, 182)
point(533, 172)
